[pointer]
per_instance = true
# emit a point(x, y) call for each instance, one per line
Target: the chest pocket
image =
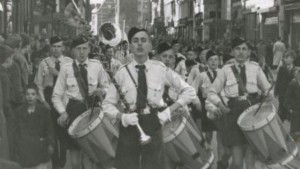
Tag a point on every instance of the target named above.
point(155, 91)
point(93, 83)
point(252, 85)
point(72, 84)
point(231, 87)
point(128, 91)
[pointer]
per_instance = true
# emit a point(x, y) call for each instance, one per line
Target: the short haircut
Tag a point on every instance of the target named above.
point(14, 41)
point(289, 53)
point(107, 47)
point(32, 86)
point(5, 52)
point(25, 40)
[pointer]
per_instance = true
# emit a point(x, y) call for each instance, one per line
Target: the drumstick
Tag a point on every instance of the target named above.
point(93, 106)
point(261, 103)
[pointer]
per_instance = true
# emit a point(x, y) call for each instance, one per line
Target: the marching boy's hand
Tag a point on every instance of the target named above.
point(63, 119)
point(164, 116)
point(129, 119)
point(50, 149)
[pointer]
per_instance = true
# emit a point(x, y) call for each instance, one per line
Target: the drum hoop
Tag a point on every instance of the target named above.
point(87, 130)
point(286, 160)
point(257, 125)
point(176, 132)
point(209, 161)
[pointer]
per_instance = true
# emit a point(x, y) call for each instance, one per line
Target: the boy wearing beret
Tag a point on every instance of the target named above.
point(143, 81)
point(80, 91)
point(240, 82)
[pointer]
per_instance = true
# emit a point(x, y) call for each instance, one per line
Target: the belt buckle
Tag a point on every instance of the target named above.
point(244, 97)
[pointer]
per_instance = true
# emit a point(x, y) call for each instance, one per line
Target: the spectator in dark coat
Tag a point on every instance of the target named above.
point(292, 102)
point(34, 132)
point(284, 77)
point(6, 61)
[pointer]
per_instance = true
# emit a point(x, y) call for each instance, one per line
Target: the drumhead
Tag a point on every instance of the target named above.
point(248, 122)
point(82, 125)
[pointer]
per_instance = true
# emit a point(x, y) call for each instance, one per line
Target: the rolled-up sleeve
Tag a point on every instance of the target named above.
point(59, 91)
point(109, 105)
point(263, 82)
point(216, 88)
point(186, 92)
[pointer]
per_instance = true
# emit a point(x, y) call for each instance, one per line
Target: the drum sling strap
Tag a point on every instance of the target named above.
point(241, 84)
point(83, 88)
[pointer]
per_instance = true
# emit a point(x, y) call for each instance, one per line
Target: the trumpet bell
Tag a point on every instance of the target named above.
point(110, 34)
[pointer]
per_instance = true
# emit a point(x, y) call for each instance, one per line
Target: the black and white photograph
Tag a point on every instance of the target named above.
point(149, 84)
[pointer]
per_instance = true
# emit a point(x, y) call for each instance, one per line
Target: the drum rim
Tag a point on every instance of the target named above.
point(176, 132)
point(286, 160)
point(87, 130)
point(209, 161)
point(259, 124)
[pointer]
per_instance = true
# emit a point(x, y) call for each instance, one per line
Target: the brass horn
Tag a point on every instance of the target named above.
point(110, 34)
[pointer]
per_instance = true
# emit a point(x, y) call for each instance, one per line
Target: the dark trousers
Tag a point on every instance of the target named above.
point(131, 155)
point(282, 110)
point(60, 149)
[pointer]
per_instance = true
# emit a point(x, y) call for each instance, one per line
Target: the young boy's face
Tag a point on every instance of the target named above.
point(31, 96)
point(213, 62)
point(191, 55)
point(289, 60)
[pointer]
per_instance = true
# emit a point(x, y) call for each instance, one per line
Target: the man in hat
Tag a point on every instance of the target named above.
point(45, 80)
point(185, 66)
point(142, 81)
point(112, 64)
point(240, 82)
point(81, 81)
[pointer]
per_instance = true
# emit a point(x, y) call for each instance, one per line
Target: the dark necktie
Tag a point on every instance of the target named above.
point(244, 78)
point(57, 65)
point(141, 98)
point(83, 73)
point(215, 74)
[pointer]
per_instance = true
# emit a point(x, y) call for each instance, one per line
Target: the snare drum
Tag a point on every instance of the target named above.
point(182, 145)
point(268, 138)
point(95, 135)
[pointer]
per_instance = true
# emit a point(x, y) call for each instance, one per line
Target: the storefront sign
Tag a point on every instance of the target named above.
point(272, 20)
point(296, 18)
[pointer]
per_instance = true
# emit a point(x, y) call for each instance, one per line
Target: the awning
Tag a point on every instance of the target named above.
point(292, 6)
point(215, 21)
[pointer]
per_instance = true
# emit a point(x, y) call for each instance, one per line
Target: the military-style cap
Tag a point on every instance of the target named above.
point(79, 41)
point(191, 48)
point(162, 47)
point(209, 54)
point(237, 41)
point(174, 42)
point(133, 31)
point(55, 39)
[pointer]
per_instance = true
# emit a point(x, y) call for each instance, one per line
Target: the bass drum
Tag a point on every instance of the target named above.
point(96, 136)
point(183, 148)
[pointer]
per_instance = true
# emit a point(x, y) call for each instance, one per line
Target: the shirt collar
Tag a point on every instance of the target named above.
point(59, 58)
point(146, 63)
point(85, 62)
point(238, 64)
